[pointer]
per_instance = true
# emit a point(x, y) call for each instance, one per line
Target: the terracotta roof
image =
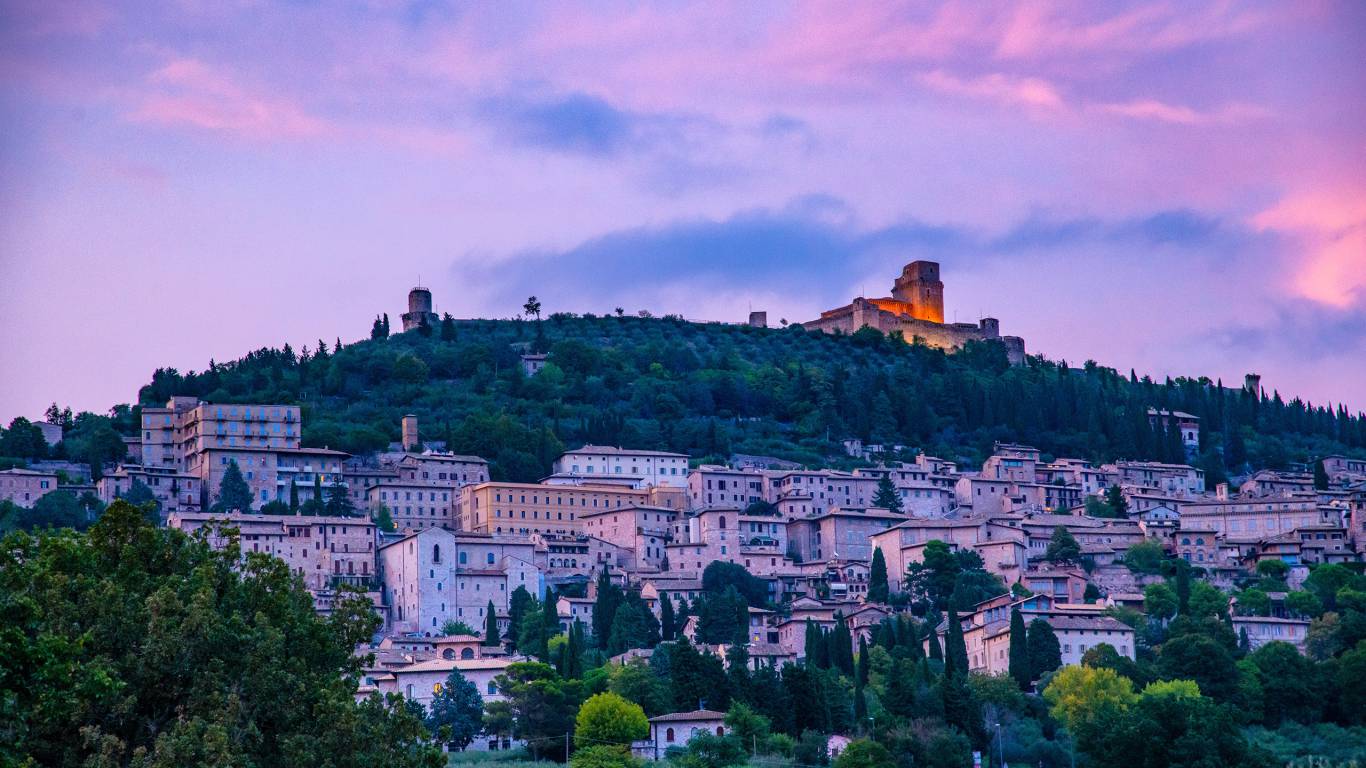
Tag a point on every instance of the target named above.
point(700, 714)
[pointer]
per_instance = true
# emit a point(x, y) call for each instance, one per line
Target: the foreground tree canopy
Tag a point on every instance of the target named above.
point(138, 646)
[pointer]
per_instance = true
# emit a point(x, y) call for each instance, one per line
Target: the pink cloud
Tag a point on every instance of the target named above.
point(1152, 109)
point(1005, 89)
point(1331, 226)
point(189, 93)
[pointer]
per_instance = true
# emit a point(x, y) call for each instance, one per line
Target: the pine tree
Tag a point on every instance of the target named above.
point(1019, 650)
point(491, 627)
point(887, 496)
point(234, 495)
point(878, 591)
point(339, 501)
point(666, 617)
point(447, 327)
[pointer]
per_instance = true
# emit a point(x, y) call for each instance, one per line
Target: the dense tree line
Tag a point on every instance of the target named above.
point(710, 389)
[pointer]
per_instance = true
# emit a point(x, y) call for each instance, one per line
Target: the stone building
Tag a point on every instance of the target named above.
point(420, 310)
point(916, 311)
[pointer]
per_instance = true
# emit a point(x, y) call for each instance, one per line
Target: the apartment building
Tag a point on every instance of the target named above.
point(413, 506)
point(172, 436)
point(800, 493)
point(269, 472)
point(711, 485)
point(527, 508)
point(175, 491)
point(923, 494)
point(644, 531)
point(324, 551)
point(435, 575)
point(843, 533)
point(1174, 479)
point(24, 486)
point(645, 468)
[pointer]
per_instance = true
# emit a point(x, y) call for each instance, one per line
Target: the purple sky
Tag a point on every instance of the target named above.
point(1175, 187)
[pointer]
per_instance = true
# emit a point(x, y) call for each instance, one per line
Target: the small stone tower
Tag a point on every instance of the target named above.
point(758, 319)
point(1253, 383)
point(419, 309)
point(919, 287)
point(410, 437)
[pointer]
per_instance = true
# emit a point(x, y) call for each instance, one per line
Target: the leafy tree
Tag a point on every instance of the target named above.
point(1352, 683)
point(887, 496)
point(635, 681)
point(878, 590)
point(607, 718)
point(1199, 658)
point(605, 756)
point(749, 727)
point(864, 753)
point(1020, 669)
point(456, 627)
point(1159, 601)
point(178, 647)
point(719, 575)
point(1081, 696)
point(456, 714)
point(1145, 557)
point(633, 626)
point(723, 617)
point(1062, 547)
point(707, 750)
point(1287, 684)
point(1045, 653)
point(942, 574)
point(541, 703)
point(233, 493)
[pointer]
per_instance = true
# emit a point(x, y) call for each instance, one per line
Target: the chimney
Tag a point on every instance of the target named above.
point(1221, 492)
point(410, 441)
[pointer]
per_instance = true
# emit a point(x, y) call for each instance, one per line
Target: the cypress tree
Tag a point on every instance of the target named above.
point(1019, 650)
point(935, 651)
point(1045, 654)
point(878, 591)
point(517, 606)
point(666, 618)
point(1183, 586)
point(841, 646)
point(293, 496)
point(491, 627)
point(605, 608)
point(863, 661)
point(1320, 476)
point(551, 615)
point(955, 649)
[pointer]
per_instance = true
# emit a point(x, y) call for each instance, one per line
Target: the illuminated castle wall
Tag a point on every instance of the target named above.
point(916, 309)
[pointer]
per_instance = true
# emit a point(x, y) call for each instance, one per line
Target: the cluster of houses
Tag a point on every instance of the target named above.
point(462, 541)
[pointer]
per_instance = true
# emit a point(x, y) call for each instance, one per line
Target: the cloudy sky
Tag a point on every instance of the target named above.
point(1175, 187)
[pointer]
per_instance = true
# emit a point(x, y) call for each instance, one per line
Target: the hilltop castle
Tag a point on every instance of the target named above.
point(419, 310)
point(916, 309)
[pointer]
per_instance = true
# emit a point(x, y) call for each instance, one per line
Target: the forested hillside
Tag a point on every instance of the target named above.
point(713, 389)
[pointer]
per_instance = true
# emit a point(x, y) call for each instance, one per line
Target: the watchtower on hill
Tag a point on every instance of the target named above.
point(920, 288)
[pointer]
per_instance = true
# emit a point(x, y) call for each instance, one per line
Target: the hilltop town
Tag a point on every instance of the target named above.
point(627, 557)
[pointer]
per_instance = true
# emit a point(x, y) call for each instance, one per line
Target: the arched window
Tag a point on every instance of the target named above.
point(723, 522)
point(1200, 541)
point(720, 731)
point(490, 558)
point(436, 688)
point(466, 653)
point(448, 654)
point(436, 553)
point(1186, 540)
point(668, 733)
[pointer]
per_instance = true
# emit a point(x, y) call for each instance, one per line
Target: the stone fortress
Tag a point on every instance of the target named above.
point(916, 310)
point(419, 309)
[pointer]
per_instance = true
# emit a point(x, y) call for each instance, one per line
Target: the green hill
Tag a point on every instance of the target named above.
point(709, 390)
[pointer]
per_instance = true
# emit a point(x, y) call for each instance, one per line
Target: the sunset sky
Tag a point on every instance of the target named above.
point(1177, 187)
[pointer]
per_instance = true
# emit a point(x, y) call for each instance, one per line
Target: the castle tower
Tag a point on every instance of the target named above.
point(411, 442)
point(419, 309)
point(920, 288)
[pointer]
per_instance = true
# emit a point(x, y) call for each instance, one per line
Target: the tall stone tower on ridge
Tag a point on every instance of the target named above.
point(419, 309)
point(920, 289)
